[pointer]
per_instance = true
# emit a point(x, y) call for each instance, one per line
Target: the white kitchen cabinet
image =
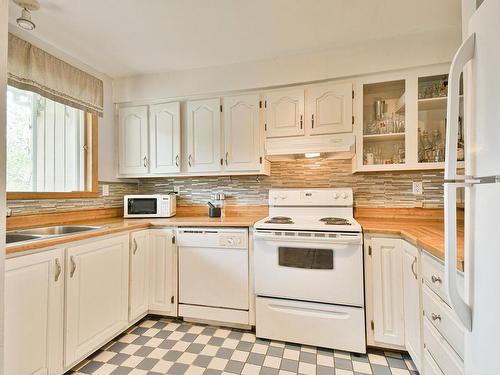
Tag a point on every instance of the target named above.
point(164, 138)
point(139, 275)
point(329, 109)
point(133, 145)
point(96, 295)
point(242, 142)
point(34, 298)
point(388, 310)
point(163, 272)
point(412, 303)
point(284, 113)
point(204, 135)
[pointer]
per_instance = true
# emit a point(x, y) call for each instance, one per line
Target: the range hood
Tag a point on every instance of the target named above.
point(339, 146)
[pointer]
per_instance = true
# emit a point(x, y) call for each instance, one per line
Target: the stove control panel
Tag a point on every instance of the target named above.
point(342, 197)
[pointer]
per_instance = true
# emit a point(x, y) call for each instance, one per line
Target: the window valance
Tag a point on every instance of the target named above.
point(31, 68)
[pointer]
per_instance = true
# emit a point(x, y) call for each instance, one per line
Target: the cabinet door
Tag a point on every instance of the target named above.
point(163, 273)
point(284, 113)
point(164, 138)
point(204, 136)
point(412, 302)
point(133, 140)
point(329, 109)
point(242, 133)
point(139, 274)
point(96, 295)
point(34, 297)
point(388, 313)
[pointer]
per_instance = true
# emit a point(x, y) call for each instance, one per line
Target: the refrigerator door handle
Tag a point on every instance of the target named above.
point(462, 309)
point(464, 54)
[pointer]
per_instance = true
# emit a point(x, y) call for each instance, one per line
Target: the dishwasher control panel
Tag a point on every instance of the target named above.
point(233, 240)
point(212, 238)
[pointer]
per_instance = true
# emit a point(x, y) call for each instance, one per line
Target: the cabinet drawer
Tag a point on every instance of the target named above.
point(444, 319)
point(433, 274)
point(444, 355)
point(329, 326)
point(430, 366)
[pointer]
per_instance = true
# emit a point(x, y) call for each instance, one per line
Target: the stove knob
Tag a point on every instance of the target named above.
point(283, 197)
point(344, 195)
point(275, 197)
point(335, 195)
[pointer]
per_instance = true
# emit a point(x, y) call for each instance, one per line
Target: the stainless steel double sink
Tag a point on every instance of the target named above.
point(34, 234)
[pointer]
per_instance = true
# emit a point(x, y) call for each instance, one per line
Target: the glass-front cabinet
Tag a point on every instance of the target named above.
point(400, 120)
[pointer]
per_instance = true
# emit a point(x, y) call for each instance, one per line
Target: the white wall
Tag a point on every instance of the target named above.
point(107, 170)
point(3, 119)
point(375, 56)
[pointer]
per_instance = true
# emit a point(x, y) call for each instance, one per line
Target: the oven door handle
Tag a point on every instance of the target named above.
point(327, 242)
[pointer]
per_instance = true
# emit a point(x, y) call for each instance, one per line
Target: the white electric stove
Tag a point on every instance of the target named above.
point(308, 264)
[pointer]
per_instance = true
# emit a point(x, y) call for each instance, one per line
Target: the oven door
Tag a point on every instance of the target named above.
point(142, 207)
point(296, 266)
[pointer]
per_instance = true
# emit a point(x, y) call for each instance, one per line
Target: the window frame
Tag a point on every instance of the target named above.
point(91, 169)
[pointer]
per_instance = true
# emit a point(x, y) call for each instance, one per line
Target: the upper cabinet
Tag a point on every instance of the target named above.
point(204, 135)
point(242, 138)
point(284, 113)
point(402, 120)
point(149, 145)
point(133, 140)
point(164, 138)
point(329, 109)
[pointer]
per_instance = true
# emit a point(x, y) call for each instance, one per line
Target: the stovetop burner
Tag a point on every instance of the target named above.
point(280, 220)
point(335, 221)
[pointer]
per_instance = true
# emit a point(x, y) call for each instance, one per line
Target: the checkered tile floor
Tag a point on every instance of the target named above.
point(165, 346)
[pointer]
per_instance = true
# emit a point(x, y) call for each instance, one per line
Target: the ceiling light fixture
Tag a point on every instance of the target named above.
point(28, 6)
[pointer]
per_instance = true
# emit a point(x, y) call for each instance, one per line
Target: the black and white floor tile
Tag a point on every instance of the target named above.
point(166, 346)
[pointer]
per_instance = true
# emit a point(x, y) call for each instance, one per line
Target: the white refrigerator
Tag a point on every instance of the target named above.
point(479, 307)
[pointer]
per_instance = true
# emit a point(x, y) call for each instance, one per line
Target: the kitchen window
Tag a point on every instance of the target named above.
point(51, 148)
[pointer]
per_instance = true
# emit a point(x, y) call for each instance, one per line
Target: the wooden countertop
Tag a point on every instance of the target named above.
point(423, 230)
point(117, 225)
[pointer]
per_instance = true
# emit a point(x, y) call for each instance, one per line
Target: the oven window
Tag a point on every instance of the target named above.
point(315, 259)
point(142, 206)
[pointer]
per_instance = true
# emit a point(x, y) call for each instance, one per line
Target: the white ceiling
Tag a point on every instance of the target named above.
point(132, 37)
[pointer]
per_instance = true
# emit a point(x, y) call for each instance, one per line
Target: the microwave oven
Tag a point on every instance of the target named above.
point(155, 205)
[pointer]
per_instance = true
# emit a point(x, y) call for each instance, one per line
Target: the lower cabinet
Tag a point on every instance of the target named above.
point(163, 272)
point(34, 306)
point(387, 289)
point(139, 275)
point(96, 295)
point(412, 297)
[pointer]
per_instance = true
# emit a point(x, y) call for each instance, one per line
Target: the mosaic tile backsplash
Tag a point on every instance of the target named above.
point(381, 189)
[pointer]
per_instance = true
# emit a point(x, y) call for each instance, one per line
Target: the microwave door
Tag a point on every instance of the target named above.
point(142, 206)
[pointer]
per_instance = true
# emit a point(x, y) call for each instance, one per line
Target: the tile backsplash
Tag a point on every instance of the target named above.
point(381, 189)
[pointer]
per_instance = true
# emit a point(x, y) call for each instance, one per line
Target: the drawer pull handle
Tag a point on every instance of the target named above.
point(73, 267)
point(58, 270)
point(436, 279)
point(436, 317)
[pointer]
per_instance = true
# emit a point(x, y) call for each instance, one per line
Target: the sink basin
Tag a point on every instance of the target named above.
point(46, 232)
point(58, 230)
point(18, 237)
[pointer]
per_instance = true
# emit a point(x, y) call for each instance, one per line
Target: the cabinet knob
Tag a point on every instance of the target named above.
point(73, 266)
point(135, 247)
point(58, 270)
point(436, 279)
point(436, 317)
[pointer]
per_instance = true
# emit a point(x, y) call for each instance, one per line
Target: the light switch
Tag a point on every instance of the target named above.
point(105, 190)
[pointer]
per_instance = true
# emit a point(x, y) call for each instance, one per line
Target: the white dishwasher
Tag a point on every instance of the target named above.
point(213, 274)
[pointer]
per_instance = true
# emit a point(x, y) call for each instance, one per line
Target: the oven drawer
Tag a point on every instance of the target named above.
point(444, 319)
point(318, 324)
point(310, 271)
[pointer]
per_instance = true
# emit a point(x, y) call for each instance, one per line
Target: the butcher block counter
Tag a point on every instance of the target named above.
point(423, 228)
point(244, 216)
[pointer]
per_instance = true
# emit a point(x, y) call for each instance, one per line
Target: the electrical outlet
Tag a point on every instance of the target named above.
point(418, 188)
point(105, 190)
